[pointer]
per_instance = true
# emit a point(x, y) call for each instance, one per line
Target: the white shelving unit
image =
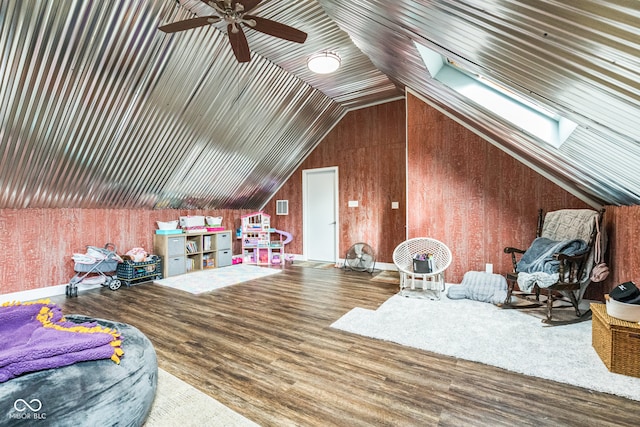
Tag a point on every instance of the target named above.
point(187, 252)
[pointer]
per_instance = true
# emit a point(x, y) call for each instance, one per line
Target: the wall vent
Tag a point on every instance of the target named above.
point(282, 207)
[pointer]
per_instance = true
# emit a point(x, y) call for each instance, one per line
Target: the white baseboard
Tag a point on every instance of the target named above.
point(340, 262)
point(40, 293)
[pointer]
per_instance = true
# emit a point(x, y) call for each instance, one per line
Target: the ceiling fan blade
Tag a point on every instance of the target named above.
point(188, 24)
point(277, 29)
point(249, 5)
point(239, 44)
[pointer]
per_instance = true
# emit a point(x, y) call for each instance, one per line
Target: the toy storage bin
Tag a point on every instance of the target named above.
point(192, 221)
point(223, 240)
point(167, 225)
point(616, 341)
point(214, 221)
point(129, 271)
point(176, 265)
point(224, 258)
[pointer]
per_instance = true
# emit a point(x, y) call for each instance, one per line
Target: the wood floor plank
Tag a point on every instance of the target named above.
point(265, 348)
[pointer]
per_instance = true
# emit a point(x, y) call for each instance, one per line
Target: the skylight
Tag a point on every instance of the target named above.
point(523, 113)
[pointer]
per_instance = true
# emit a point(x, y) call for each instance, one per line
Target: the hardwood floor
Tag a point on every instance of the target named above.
point(265, 348)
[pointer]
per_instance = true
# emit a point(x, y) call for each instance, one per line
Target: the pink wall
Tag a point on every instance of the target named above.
point(622, 225)
point(368, 147)
point(461, 190)
point(38, 243)
point(469, 194)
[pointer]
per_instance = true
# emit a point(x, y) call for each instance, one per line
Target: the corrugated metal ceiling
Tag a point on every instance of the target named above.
point(99, 109)
point(582, 59)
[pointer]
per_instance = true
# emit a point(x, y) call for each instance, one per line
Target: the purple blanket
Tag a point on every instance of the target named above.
point(35, 336)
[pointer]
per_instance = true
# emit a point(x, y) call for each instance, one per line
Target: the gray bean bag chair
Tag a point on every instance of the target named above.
point(93, 393)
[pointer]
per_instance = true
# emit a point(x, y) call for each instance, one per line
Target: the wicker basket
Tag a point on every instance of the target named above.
point(616, 341)
point(129, 271)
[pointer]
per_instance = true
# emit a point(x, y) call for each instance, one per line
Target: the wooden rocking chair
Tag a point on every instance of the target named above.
point(573, 269)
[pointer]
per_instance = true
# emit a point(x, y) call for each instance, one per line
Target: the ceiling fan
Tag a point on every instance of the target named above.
point(235, 13)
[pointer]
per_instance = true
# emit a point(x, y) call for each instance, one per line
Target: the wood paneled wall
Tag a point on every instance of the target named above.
point(622, 225)
point(469, 194)
point(460, 190)
point(38, 244)
point(368, 147)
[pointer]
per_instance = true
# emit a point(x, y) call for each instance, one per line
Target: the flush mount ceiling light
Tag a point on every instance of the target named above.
point(323, 63)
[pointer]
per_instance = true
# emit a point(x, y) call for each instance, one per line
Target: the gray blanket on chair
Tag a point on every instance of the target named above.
point(539, 256)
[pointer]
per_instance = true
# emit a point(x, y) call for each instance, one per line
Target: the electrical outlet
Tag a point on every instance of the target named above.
point(489, 268)
point(395, 205)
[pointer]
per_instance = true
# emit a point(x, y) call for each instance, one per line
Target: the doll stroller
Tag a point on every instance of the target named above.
point(92, 268)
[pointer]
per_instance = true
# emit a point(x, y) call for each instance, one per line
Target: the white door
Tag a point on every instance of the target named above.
point(320, 214)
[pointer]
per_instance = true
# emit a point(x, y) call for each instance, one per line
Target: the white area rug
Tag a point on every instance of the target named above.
point(484, 333)
point(179, 404)
point(201, 281)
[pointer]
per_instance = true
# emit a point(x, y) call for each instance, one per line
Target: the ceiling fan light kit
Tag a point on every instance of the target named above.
point(324, 63)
